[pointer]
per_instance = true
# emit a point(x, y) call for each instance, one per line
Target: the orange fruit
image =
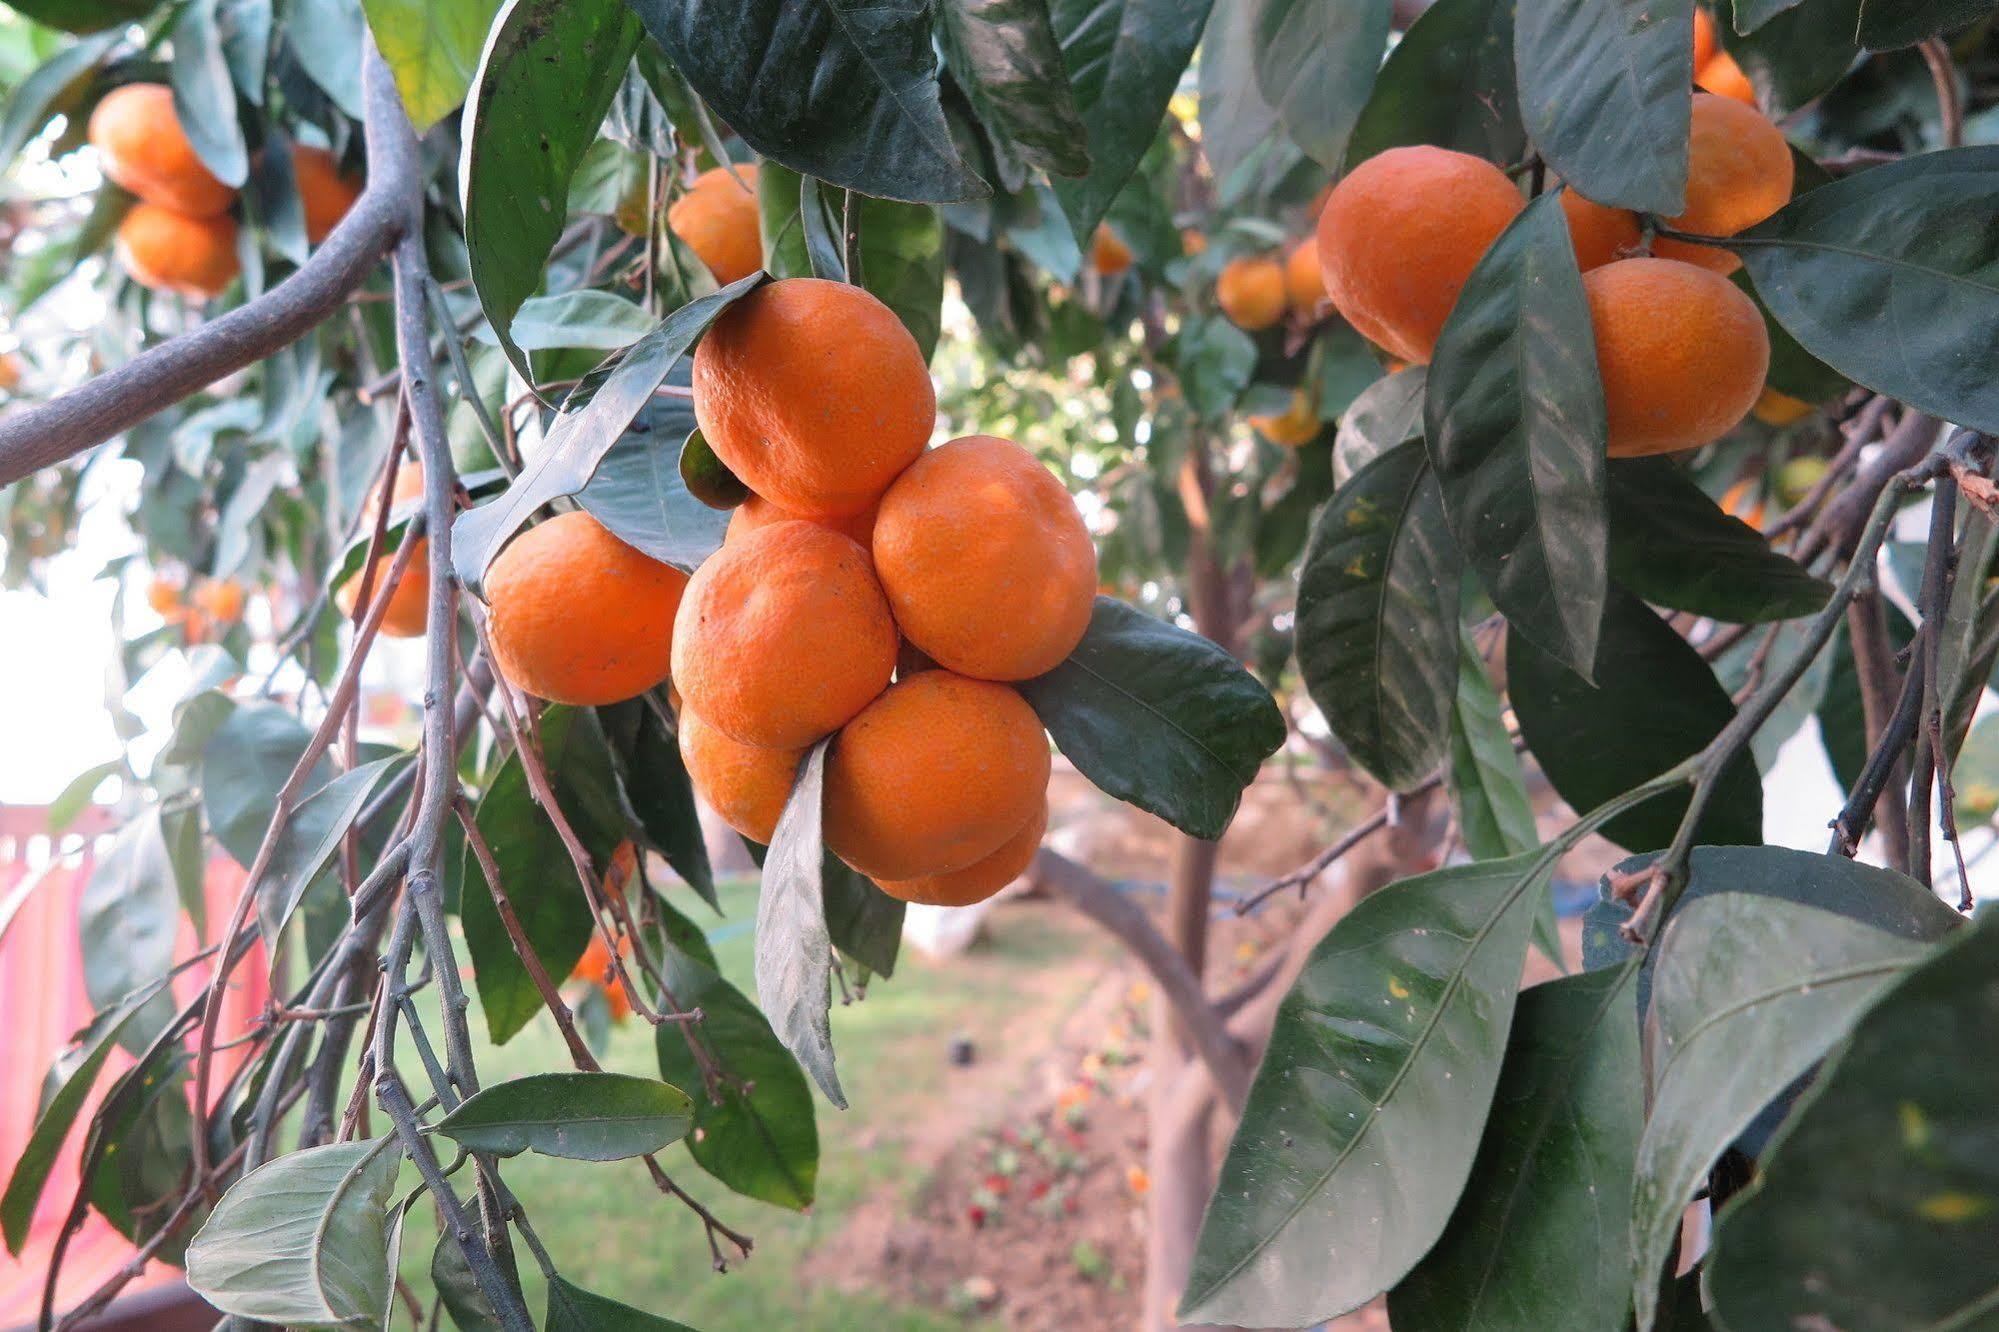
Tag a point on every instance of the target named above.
point(784, 636)
point(1706, 40)
point(745, 784)
point(221, 600)
point(1193, 242)
point(980, 879)
point(325, 193)
point(933, 776)
point(1724, 78)
point(624, 863)
point(140, 145)
point(1738, 173)
point(1744, 500)
point(1401, 233)
point(163, 595)
point(1295, 427)
point(409, 600)
point(717, 219)
point(814, 394)
point(1681, 350)
point(577, 616)
point(170, 251)
point(595, 968)
point(1780, 409)
point(1109, 254)
point(12, 369)
point(757, 512)
point(1302, 282)
point(1252, 292)
point(1599, 233)
point(985, 560)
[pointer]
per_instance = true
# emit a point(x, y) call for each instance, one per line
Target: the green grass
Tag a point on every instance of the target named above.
point(611, 1232)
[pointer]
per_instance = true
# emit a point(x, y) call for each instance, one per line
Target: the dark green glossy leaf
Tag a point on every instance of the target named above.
point(1006, 56)
point(1606, 95)
point(546, 78)
point(637, 491)
point(1378, 617)
point(578, 1116)
point(1124, 58)
point(1794, 53)
point(309, 839)
point(432, 48)
point(658, 790)
point(303, 1239)
point(1654, 703)
point(1159, 717)
point(144, 1153)
point(1386, 413)
point(1528, 1245)
point(1888, 24)
point(605, 404)
point(83, 15)
point(794, 948)
point(1513, 418)
point(574, 1309)
point(1448, 82)
point(1750, 15)
point(1748, 992)
point(452, 1278)
point(864, 922)
point(838, 89)
point(204, 95)
point(56, 87)
point(1883, 1179)
point(756, 1134)
point(1876, 276)
point(1793, 370)
point(1673, 546)
point(1361, 1125)
point(535, 870)
point(1316, 64)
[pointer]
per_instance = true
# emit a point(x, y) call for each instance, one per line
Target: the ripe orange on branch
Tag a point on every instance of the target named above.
point(1109, 254)
point(141, 145)
point(170, 251)
point(409, 600)
point(757, 512)
point(980, 879)
point(1739, 171)
point(814, 394)
point(1599, 233)
point(325, 193)
point(717, 219)
point(1303, 284)
point(987, 564)
point(1253, 293)
point(746, 784)
point(577, 616)
point(1296, 426)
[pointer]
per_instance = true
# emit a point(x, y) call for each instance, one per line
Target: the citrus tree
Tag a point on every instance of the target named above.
point(1548, 380)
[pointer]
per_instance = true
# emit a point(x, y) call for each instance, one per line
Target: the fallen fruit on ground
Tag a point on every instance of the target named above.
point(409, 600)
point(746, 784)
point(814, 394)
point(783, 636)
point(933, 776)
point(577, 616)
point(1252, 292)
point(985, 560)
point(325, 192)
point(980, 879)
point(717, 219)
point(171, 251)
point(1401, 233)
point(1682, 352)
point(1296, 426)
point(1739, 171)
point(140, 145)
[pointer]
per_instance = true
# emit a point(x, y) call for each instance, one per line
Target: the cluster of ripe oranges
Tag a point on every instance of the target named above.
point(201, 610)
point(180, 236)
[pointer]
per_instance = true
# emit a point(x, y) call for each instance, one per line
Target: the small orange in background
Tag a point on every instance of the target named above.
point(12, 370)
point(1781, 409)
point(325, 193)
point(1302, 281)
point(814, 394)
point(577, 616)
point(221, 600)
point(596, 968)
point(1706, 40)
point(1744, 500)
point(1401, 233)
point(1599, 233)
point(1109, 254)
point(1297, 426)
point(745, 784)
point(1193, 242)
point(985, 560)
point(409, 601)
point(783, 636)
point(934, 776)
point(757, 512)
point(623, 865)
point(717, 219)
point(163, 595)
point(1682, 353)
point(140, 145)
point(1724, 78)
point(170, 251)
point(980, 879)
point(1739, 171)
point(1252, 292)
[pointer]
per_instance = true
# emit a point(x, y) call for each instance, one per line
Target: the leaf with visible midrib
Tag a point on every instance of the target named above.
point(580, 1116)
point(1465, 46)
point(1006, 55)
point(794, 948)
point(1316, 63)
point(574, 1309)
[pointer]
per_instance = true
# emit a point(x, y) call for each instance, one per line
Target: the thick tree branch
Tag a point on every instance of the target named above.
point(51, 432)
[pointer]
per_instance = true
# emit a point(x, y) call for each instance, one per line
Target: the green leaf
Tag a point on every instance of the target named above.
point(902, 250)
point(1362, 1123)
point(73, 1077)
point(1215, 360)
point(1749, 991)
point(83, 15)
point(452, 1277)
point(1673, 546)
point(1883, 1178)
point(1378, 617)
point(204, 96)
point(127, 922)
point(324, 34)
point(1876, 276)
point(1969, 642)
point(754, 1132)
point(545, 80)
point(1448, 82)
point(864, 922)
point(1888, 24)
point(593, 419)
point(76, 797)
point(1528, 1245)
point(1513, 417)
point(1606, 95)
point(245, 761)
point(637, 491)
point(839, 89)
point(577, 1116)
point(1655, 703)
point(432, 48)
point(1793, 370)
point(1009, 62)
point(535, 870)
point(1794, 54)
point(58, 86)
point(794, 949)
point(1387, 412)
point(144, 1153)
point(657, 788)
point(1488, 791)
point(1159, 718)
point(1316, 64)
point(1241, 136)
point(187, 851)
point(307, 844)
point(303, 1239)
point(574, 1309)
point(1124, 58)
point(585, 318)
